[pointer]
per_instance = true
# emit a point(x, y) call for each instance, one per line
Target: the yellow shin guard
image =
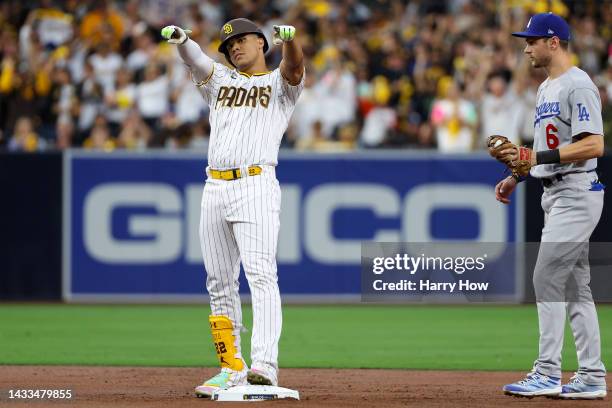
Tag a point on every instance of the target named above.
point(221, 327)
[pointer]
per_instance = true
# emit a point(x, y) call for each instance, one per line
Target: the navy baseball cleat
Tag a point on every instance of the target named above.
point(576, 389)
point(534, 385)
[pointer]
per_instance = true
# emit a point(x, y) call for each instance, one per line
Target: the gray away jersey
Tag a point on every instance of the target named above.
point(566, 107)
point(248, 116)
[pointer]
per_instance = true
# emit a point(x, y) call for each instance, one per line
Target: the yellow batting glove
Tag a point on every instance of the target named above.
point(283, 33)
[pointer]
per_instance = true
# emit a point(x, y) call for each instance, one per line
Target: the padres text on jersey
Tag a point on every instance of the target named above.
point(248, 116)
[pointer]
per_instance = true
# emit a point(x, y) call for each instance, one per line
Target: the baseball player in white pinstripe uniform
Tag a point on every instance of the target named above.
point(250, 108)
point(568, 139)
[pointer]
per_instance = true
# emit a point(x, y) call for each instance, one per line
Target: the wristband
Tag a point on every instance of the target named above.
point(548, 157)
point(519, 178)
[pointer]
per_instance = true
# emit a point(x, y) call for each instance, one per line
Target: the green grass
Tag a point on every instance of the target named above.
point(418, 337)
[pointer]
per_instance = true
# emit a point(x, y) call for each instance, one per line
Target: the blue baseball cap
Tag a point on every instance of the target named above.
point(546, 25)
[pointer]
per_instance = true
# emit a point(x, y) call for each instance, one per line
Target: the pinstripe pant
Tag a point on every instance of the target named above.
point(239, 222)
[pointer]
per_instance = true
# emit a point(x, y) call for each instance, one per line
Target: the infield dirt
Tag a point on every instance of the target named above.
point(173, 387)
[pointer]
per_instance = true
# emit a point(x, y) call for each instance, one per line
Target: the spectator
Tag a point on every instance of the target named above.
point(528, 98)
point(135, 134)
point(188, 102)
point(318, 142)
point(375, 68)
point(99, 139)
point(212, 10)
point(377, 126)
point(105, 64)
point(23, 92)
point(171, 134)
point(24, 138)
point(63, 93)
point(91, 100)
point(425, 136)
point(132, 17)
point(199, 137)
point(102, 25)
point(500, 110)
point(144, 48)
point(63, 107)
point(337, 98)
point(455, 121)
point(589, 46)
point(120, 99)
point(306, 112)
point(152, 95)
point(162, 12)
point(64, 133)
point(52, 26)
point(315, 139)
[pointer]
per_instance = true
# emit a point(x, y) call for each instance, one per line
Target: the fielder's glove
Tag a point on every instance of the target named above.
point(518, 159)
point(174, 34)
point(283, 33)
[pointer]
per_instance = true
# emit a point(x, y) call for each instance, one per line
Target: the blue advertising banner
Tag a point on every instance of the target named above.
point(131, 220)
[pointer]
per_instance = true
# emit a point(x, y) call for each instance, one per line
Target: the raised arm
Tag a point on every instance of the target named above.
point(292, 64)
point(200, 64)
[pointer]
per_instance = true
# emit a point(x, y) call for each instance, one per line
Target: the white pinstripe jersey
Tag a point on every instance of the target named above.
point(248, 116)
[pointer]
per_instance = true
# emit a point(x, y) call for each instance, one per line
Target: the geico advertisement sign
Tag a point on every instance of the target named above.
point(159, 222)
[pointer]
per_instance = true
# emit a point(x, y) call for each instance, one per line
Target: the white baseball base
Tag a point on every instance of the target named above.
point(250, 393)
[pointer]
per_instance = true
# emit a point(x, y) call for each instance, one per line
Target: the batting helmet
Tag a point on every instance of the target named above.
point(236, 27)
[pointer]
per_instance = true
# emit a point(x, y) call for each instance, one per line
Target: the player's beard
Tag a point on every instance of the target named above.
point(541, 62)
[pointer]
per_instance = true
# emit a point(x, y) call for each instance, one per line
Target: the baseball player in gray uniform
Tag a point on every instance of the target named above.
point(568, 139)
point(250, 108)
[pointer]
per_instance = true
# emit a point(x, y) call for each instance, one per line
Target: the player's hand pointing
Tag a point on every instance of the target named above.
point(174, 34)
point(283, 33)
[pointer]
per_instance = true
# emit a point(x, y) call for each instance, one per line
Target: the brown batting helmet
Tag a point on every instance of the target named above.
point(236, 27)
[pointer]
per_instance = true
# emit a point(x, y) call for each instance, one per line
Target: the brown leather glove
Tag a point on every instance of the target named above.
point(518, 159)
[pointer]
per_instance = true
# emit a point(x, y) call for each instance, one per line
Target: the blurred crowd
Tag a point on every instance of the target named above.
point(434, 74)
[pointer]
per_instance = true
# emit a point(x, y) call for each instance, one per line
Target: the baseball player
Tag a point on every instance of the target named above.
point(568, 138)
point(250, 108)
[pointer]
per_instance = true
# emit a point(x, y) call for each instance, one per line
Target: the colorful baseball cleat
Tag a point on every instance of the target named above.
point(534, 385)
point(225, 379)
point(577, 389)
point(262, 376)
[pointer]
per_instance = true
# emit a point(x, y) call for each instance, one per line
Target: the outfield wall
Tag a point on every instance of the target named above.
point(131, 220)
point(137, 239)
point(30, 226)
